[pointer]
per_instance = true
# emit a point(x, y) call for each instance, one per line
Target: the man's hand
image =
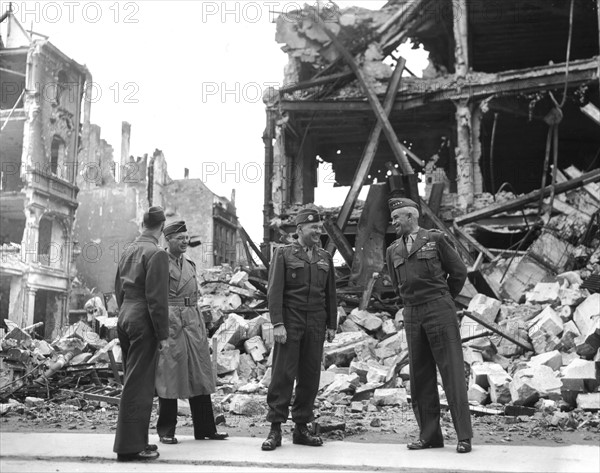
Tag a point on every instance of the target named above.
point(162, 344)
point(279, 334)
point(330, 335)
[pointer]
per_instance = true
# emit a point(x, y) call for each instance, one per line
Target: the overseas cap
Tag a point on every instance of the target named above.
point(154, 216)
point(400, 202)
point(175, 227)
point(307, 216)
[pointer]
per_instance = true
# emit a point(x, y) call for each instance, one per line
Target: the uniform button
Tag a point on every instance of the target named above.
point(293, 275)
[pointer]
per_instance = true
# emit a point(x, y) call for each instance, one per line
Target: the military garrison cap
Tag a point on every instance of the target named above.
point(154, 216)
point(175, 227)
point(400, 202)
point(307, 216)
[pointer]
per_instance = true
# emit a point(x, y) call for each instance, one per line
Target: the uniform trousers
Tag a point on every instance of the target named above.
point(202, 416)
point(298, 358)
point(139, 348)
point(433, 338)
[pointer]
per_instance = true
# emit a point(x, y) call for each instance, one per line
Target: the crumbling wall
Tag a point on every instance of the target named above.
point(108, 218)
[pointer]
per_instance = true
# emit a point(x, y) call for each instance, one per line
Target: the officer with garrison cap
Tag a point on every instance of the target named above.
point(303, 309)
point(141, 290)
point(427, 273)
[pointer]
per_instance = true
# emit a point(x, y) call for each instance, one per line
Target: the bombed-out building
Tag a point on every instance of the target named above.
point(43, 113)
point(511, 94)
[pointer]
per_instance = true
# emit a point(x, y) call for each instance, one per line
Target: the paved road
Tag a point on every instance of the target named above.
point(65, 452)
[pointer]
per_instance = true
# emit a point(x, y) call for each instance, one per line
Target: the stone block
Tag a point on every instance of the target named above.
point(396, 342)
point(389, 397)
point(342, 350)
point(581, 369)
point(256, 348)
point(569, 335)
point(255, 325)
point(537, 379)
point(246, 366)
point(552, 359)
point(543, 292)
point(587, 315)
point(361, 368)
point(247, 405)
point(233, 331)
point(544, 342)
point(477, 394)
point(485, 307)
point(471, 356)
point(343, 383)
point(571, 296)
point(227, 361)
point(547, 321)
point(327, 377)
point(350, 326)
point(388, 328)
point(589, 402)
point(239, 278)
point(499, 387)
point(357, 406)
point(365, 319)
point(365, 391)
point(378, 373)
point(480, 372)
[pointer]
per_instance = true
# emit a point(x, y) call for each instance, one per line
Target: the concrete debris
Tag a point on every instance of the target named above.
point(589, 401)
point(486, 308)
point(389, 397)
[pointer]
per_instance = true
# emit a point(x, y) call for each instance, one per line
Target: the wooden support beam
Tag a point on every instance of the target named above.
point(368, 156)
point(366, 297)
point(342, 244)
point(472, 241)
point(315, 82)
point(494, 328)
point(519, 202)
point(398, 149)
point(247, 238)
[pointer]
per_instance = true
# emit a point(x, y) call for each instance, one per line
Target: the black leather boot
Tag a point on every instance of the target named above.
point(302, 436)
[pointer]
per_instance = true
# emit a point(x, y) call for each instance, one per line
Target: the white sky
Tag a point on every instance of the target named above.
point(188, 76)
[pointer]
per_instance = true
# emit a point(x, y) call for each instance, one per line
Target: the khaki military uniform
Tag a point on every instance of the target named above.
point(427, 279)
point(141, 290)
point(301, 296)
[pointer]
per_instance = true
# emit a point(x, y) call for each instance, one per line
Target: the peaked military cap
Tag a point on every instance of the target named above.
point(400, 202)
point(175, 227)
point(307, 216)
point(154, 216)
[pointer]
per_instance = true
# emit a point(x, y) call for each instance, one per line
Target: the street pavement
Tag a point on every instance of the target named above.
point(66, 452)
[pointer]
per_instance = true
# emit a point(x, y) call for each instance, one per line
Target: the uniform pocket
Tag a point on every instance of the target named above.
point(294, 273)
point(400, 268)
point(323, 271)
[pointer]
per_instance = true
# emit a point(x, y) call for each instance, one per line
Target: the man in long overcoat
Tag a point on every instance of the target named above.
point(427, 273)
point(141, 290)
point(303, 309)
point(184, 365)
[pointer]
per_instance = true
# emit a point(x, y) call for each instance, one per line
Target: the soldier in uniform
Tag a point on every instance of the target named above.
point(303, 309)
point(141, 290)
point(184, 368)
point(427, 273)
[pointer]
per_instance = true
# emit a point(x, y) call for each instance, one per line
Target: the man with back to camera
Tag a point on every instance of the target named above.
point(303, 309)
point(427, 273)
point(142, 291)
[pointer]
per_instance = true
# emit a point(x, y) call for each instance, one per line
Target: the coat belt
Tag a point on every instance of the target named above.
point(183, 301)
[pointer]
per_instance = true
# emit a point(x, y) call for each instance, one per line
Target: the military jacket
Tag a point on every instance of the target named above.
point(430, 270)
point(143, 275)
point(301, 283)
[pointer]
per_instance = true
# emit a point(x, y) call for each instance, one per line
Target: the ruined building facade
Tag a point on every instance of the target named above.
point(501, 75)
point(42, 116)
